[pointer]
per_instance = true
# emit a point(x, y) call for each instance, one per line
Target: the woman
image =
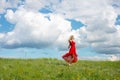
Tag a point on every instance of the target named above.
point(71, 56)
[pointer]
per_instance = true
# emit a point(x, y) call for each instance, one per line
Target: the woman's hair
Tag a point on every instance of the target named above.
point(71, 37)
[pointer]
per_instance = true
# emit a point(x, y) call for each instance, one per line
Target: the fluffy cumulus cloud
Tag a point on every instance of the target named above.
point(35, 29)
point(101, 32)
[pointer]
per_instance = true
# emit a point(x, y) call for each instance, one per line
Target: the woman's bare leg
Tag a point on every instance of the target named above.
point(70, 61)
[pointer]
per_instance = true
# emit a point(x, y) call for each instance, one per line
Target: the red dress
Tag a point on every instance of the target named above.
point(71, 54)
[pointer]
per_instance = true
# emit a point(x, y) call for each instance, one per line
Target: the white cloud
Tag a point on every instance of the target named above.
point(33, 5)
point(111, 45)
point(37, 29)
point(4, 4)
point(10, 15)
point(39, 4)
point(116, 5)
point(100, 31)
point(33, 29)
point(101, 57)
point(1, 36)
point(95, 58)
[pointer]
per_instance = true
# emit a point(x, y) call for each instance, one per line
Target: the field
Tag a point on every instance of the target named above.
point(53, 69)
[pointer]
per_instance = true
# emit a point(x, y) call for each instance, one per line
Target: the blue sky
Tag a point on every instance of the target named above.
point(42, 30)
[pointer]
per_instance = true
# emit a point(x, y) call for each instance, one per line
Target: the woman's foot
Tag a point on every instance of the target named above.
point(69, 64)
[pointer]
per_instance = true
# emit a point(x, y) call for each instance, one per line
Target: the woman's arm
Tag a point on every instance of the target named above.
point(69, 44)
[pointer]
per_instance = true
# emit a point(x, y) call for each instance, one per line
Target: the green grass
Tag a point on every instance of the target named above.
point(53, 69)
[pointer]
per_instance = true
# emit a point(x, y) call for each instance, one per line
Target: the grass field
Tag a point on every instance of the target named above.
point(53, 69)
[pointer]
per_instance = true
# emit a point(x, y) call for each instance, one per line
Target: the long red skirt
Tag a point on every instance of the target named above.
point(67, 57)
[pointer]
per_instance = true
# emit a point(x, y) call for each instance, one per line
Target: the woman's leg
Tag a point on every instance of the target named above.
point(71, 59)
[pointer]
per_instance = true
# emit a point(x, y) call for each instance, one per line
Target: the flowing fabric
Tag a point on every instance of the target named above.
point(71, 55)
